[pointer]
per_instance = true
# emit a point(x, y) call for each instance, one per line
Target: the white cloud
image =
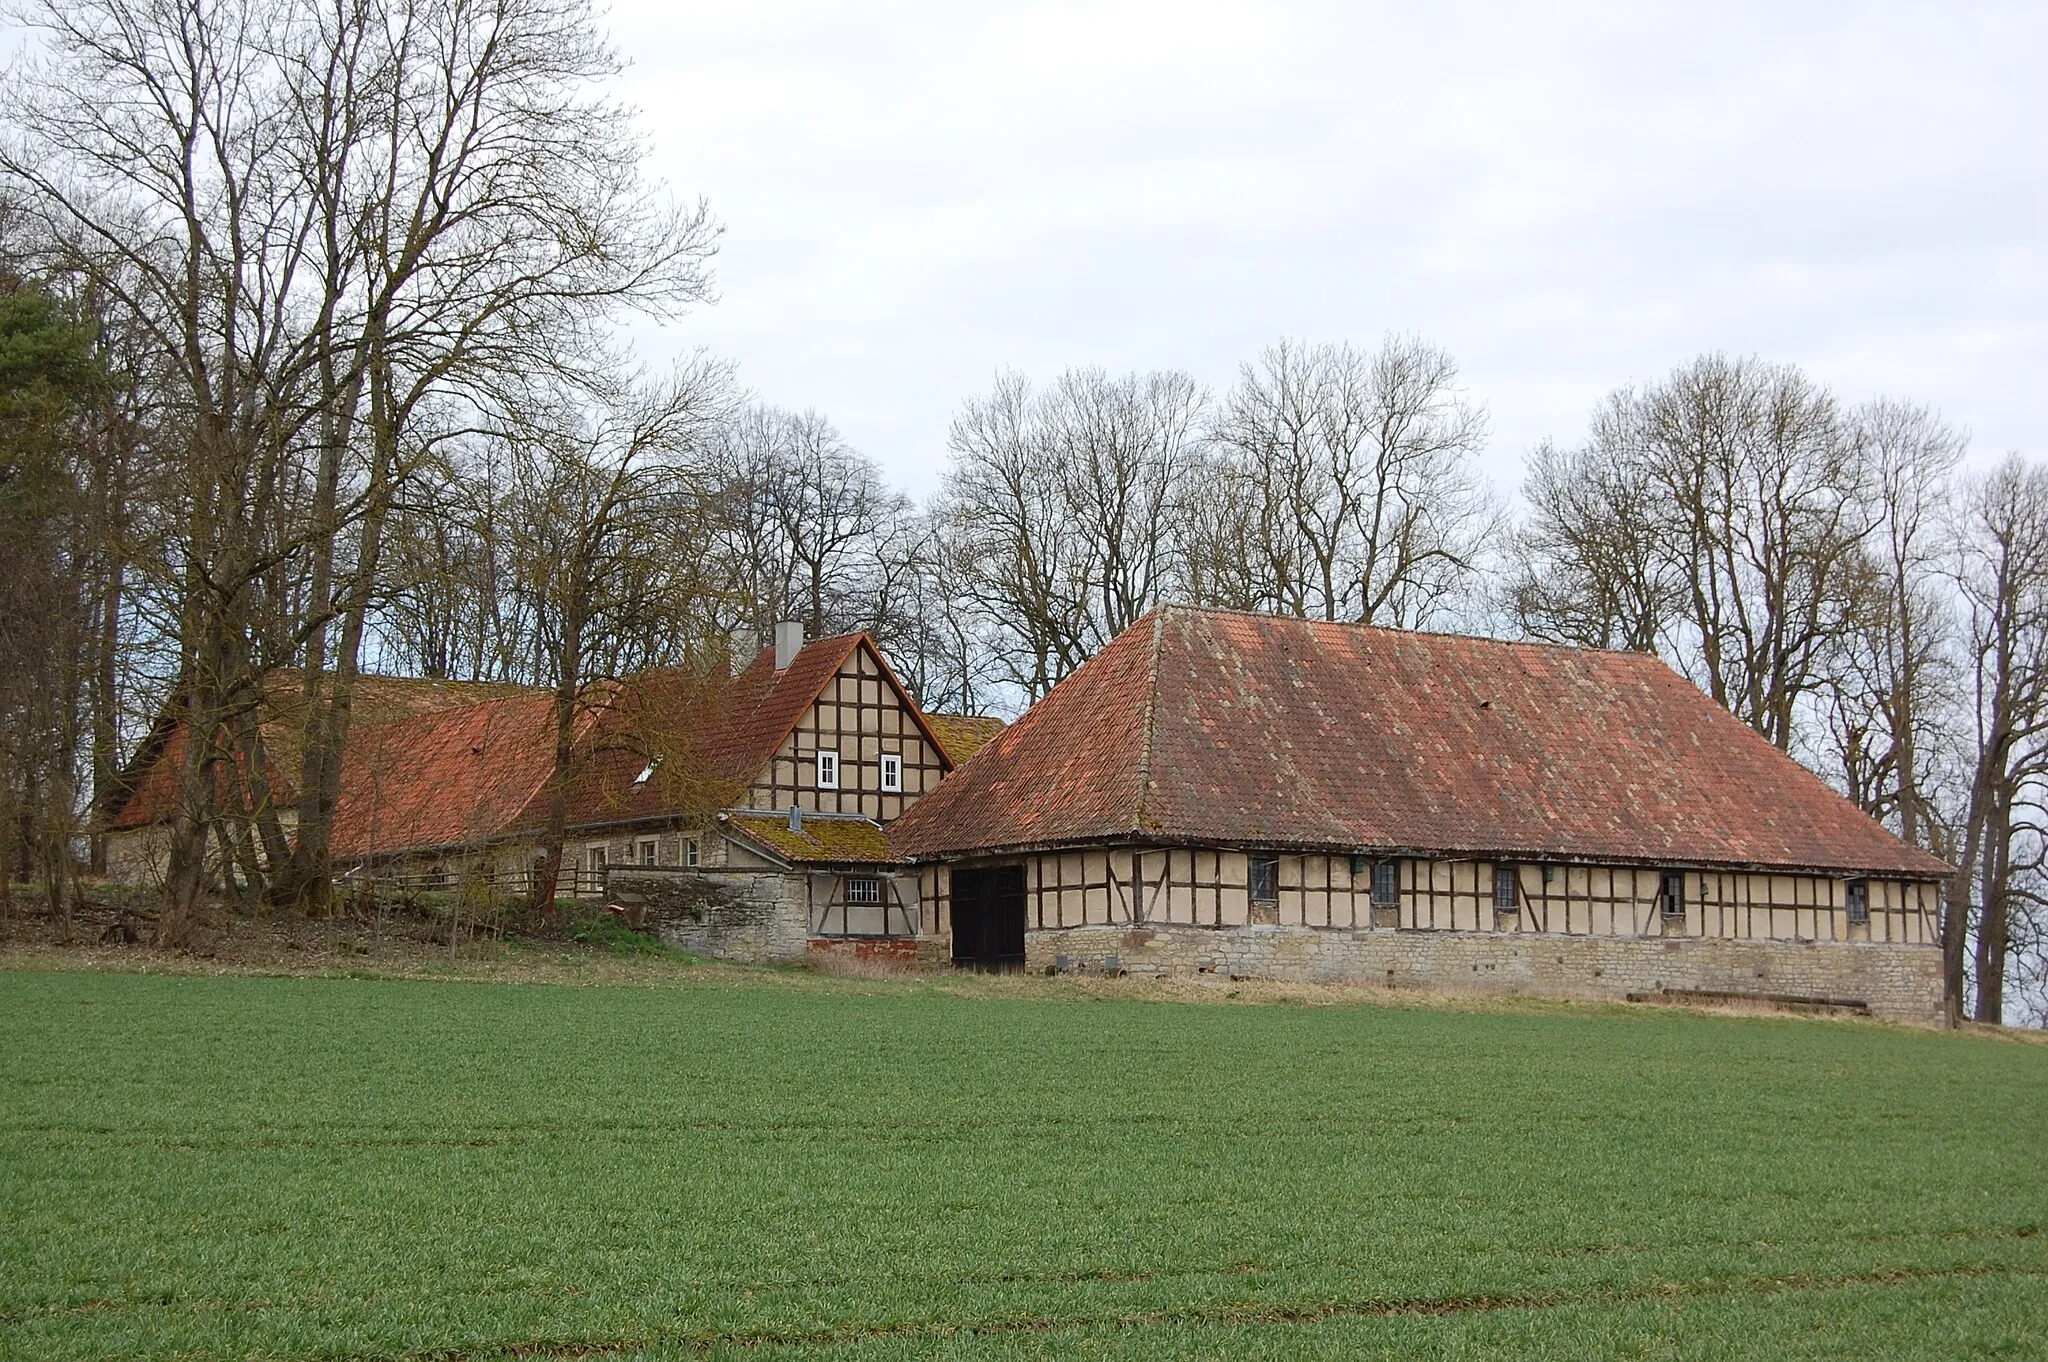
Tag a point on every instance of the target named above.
point(1567, 197)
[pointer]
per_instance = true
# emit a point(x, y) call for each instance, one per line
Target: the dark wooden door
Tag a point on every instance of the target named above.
point(988, 917)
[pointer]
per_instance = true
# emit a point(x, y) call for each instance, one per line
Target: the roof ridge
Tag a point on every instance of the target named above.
point(447, 711)
point(1238, 612)
point(1151, 720)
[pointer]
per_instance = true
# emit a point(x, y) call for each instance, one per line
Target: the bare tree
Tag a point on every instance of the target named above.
point(332, 217)
point(1890, 683)
point(1595, 564)
point(2004, 583)
point(1359, 466)
point(602, 525)
point(1063, 507)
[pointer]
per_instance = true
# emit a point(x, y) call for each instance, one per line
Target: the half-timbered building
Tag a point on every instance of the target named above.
point(747, 809)
point(1254, 796)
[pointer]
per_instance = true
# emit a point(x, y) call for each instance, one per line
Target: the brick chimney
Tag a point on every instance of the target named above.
point(789, 639)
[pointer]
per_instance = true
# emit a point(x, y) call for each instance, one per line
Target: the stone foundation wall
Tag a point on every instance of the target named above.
point(1898, 982)
point(757, 917)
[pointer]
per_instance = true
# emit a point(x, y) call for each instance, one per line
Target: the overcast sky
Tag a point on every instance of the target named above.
point(1566, 197)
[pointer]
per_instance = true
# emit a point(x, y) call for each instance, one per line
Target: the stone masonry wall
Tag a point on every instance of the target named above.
point(757, 917)
point(1901, 983)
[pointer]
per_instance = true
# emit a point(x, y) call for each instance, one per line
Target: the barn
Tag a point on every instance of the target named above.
point(1229, 793)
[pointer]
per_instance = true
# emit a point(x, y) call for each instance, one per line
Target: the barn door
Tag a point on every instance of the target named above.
point(988, 917)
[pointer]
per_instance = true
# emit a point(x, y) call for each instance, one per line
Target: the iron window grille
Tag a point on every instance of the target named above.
point(1506, 890)
point(1859, 901)
point(864, 890)
point(1263, 879)
point(1671, 894)
point(1386, 884)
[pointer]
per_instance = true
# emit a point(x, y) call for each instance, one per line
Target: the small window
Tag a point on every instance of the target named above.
point(690, 852)
point(1386, 884)
point(648, 848)
point(647, 772)
point(596, 855)
point(892, 773)
point(1859, 900)
point(1671, 894)
point(1506, 889)
point(828, 770)
point(864, 890)
point(1264, 879)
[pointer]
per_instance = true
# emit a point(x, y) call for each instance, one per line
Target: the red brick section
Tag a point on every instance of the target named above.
point(1287, 733)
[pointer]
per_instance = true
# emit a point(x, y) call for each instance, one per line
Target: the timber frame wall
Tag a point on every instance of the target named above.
point(862, 716)
point(1206, 887)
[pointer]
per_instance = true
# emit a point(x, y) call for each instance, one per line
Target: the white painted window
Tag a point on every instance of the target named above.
point(647, 772)
point(648, 848)
point(828, 770)
point(690, 852)
point(596, 858)
point(863, 889)
point(892, 772)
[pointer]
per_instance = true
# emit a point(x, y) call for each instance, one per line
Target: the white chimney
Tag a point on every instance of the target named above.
point(789, 639)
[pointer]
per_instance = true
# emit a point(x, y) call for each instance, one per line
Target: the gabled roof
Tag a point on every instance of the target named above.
point(713, 739)
point(825, 839)
point(962, 735)
point(151, 780)
point(1218, 727)
point(467, 775)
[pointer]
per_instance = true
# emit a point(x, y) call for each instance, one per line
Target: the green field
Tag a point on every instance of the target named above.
point(769, 1166)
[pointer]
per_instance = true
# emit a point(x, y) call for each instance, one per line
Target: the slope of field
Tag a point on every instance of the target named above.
point(764, 1167)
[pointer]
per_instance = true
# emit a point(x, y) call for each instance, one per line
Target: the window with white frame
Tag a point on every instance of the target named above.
point(864, 889)
point(892, 773)
point(828, 770)
point(648, 848)
point(595, 858)
point(690, 851)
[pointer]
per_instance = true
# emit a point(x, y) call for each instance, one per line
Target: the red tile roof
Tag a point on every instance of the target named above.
point(714, 739)
point(461, 776)
point(153, 774)
point(1224, 728)
point(444, 774)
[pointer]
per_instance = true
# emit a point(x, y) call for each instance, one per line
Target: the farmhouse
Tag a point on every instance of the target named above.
point(752, 806)
point(1214, 792)
point(1277, 798)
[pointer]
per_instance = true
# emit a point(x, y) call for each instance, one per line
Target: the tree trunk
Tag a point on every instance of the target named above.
point(566, 688)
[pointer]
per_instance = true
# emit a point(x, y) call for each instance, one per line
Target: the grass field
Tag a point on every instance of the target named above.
point(767, 1166)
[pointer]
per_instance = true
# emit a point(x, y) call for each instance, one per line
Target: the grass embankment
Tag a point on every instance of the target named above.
point(768, 1167)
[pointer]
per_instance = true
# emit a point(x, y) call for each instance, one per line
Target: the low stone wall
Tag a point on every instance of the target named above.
point(757, 917)
point(1901, 983)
